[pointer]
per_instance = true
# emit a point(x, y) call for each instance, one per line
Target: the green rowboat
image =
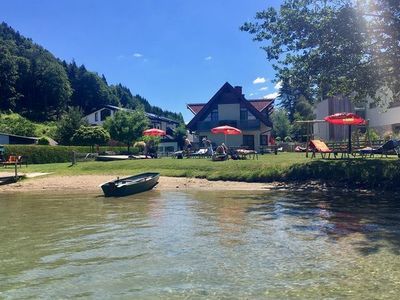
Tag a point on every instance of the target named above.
point(130, 185)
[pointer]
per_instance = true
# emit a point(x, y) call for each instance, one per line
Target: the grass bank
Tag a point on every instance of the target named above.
point(382, 173)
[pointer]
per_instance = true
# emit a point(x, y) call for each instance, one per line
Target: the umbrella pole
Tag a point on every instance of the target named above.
point(349, 142)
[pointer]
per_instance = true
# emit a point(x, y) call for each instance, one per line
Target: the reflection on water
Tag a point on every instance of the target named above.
point(200, 244)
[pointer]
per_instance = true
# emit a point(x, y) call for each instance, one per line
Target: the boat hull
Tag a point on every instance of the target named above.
point(8, 180)
point(130, 185)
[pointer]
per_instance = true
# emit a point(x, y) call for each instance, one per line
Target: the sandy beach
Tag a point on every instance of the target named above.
point(90, 183)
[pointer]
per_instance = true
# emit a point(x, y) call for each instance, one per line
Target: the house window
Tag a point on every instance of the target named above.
point(157, 125)
point(96, 116)
point(214, 115)
point(104, 114)
point(244, 114)
point(264, 140)
point(248, 141)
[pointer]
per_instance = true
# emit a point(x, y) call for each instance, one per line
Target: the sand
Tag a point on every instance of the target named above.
point(90, 183)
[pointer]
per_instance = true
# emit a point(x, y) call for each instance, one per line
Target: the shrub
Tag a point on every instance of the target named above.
point(90, 135)
point(39, 154)
point(43, 141)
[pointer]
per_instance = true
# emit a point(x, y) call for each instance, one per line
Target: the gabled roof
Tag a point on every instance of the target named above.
point(20, 136)
point(204, 109)
point(259, 104)
point(149, 115)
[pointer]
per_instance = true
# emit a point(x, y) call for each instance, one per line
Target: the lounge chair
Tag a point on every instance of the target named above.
point(244, 153)
point(318, 146)
point(13, 160)
point(385, 149)
point(202, 152)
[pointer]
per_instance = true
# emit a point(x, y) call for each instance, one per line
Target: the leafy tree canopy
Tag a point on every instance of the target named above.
point(40, 87)
point(15, 124)
point(323, 48)
point(127, 127)
point(281, 123)
point(69, 123)
point(90, 136)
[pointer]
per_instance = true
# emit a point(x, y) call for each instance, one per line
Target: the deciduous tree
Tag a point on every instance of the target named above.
point(127, 126)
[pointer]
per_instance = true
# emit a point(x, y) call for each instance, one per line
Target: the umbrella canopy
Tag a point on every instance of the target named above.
point(226, 130)
point(345, 119)
point(154, 132)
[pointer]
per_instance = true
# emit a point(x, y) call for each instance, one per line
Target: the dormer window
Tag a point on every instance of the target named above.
point(244, 114)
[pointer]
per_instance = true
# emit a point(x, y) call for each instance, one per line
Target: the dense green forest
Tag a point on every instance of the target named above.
point(40, 87)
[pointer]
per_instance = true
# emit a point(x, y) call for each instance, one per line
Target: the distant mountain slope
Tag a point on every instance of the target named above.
point(39, 86)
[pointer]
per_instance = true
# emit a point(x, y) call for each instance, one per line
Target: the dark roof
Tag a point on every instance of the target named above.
point(149, 115)
point(20, 136)
point(232, 92)
point(259, 104)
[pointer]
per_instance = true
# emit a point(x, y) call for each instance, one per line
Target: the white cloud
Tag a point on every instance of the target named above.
point(272, 95)
point(278, 85)
point(251, 94)
point(259, 80)
point(208, 58)
point(137, 55)
point(264, 88)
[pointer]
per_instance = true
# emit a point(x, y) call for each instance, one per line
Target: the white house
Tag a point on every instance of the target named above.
point(168, 144)
point(229, 107)
point(381, 121)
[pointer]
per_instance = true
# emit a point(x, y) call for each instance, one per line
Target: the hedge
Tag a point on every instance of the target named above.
point(39, 154)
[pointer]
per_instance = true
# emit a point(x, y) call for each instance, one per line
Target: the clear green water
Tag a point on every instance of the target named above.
point(176, 245)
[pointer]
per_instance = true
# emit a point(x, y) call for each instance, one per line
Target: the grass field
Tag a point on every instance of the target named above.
point(286, 167)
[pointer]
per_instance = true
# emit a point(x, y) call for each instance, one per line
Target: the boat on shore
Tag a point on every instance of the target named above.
point(8, 179)
point(130, 185)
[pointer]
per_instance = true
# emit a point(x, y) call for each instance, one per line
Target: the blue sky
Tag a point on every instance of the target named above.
point(170, 52)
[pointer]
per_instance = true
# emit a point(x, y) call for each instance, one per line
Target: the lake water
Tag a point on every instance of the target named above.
point(200, 245)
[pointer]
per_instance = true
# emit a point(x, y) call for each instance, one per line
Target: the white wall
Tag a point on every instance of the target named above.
point(229, 111)
point(321, 130)
point(168, 144)
point(91, 118)
point(385, 119)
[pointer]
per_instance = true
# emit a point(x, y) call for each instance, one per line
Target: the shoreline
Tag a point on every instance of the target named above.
point(90, 183)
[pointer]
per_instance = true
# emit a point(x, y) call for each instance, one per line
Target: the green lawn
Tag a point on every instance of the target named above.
point(192, 167)
point(287, 167)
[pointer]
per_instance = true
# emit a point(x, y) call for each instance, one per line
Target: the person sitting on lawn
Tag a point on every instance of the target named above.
point(207, 144)
point(188, 146)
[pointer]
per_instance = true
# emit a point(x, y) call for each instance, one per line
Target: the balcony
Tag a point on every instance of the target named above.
point(241, 124)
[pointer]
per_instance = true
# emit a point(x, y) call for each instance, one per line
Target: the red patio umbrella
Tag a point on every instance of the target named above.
point(154, 132)
point(345, 119)
point(226, 130)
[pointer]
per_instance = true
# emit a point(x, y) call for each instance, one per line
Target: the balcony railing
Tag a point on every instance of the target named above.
point(241, 124)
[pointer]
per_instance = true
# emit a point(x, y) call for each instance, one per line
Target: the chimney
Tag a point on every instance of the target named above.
point(238, 89)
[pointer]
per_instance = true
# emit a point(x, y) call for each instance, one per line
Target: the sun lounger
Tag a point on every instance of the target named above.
point(244, 153)
point(14, 159)
point(203, 152)
point(318, 146)
point(391, 146)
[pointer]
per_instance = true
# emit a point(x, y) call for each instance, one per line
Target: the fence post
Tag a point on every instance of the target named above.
point(16, 170)
point(73, 157)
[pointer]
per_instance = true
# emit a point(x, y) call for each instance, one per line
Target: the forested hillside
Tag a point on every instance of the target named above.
point(39, 86)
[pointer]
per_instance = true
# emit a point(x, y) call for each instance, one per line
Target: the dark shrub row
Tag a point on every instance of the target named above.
point(37, 154)
point(368, 173)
